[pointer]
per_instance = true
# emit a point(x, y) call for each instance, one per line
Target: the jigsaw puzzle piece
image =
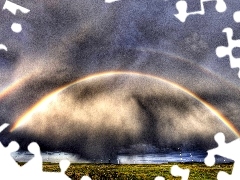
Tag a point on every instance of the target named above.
point(182, 11)
point(236, 17)
point(86, 178)
point(34, 168)
point(210, 158)
point(12, 7)
point(12, 147)
point(177, 171)
point(228, 150)
point(222, 51)
point(7, 164)
point(2, 46)
point(64, 164)
point(3, 126)
point(221, 6)
point(182, 7)
point(5, 154)
point(223, 176)
point(35, 164)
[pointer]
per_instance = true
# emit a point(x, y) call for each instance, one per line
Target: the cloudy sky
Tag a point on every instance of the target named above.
point(55, 75)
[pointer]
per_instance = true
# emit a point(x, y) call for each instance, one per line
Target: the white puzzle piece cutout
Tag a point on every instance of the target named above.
point(33, 169)
point(228, 150)
point(236, 16)
point(12, 7)
point(182, 8)
point(159, 178)
point(15, 27)
point(223, 51)
point(86, 178)
point(179, 172)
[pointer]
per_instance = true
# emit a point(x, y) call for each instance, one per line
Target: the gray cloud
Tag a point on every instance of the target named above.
point(63, 41)
point(139, 110)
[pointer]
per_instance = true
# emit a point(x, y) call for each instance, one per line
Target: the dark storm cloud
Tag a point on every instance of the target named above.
point(101, 37)
point(51, 32)
point(89, 40)
point(103, 123)
point(64, 40)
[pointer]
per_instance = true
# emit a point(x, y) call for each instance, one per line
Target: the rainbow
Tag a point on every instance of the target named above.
point(185, 60)
point(14, 86)
point(48, 98)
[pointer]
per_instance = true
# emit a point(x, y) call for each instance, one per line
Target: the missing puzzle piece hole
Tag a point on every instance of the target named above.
point(236, 16)
point(85, 178)
point(236, 52)
point(159, 178)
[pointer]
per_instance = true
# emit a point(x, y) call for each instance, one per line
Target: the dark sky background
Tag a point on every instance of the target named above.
point(63, 41)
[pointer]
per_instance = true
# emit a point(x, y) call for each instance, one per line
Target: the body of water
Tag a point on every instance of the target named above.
point(56, 157)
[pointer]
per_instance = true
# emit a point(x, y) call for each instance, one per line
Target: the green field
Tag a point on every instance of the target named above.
point(113, 171)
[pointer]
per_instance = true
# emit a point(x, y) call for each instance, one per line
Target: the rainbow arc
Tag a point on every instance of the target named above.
point(24, 118)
